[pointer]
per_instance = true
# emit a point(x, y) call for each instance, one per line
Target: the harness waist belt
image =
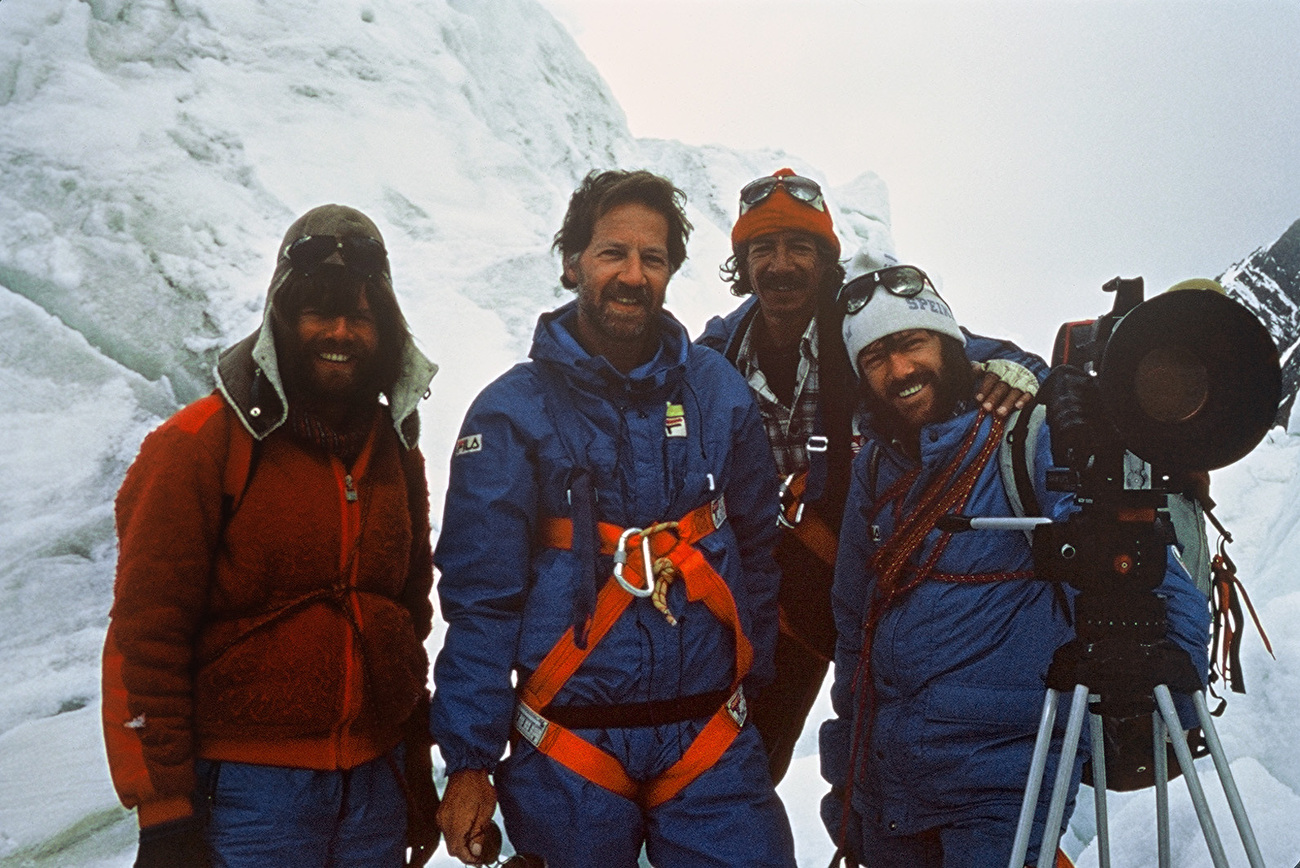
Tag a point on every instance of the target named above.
point(632, 714)
point(580, 756)
point(667, 544)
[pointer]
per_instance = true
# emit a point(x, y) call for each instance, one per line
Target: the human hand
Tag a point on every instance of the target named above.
point(466, 812)
point(174, 844)
point(1004, 386)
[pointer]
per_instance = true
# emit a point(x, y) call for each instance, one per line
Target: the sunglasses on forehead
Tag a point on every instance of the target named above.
point(904, 281)
point(800, 189)
point(361, 255)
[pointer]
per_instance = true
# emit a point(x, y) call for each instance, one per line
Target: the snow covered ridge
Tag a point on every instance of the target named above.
point(153, 153)
point(1268, 282)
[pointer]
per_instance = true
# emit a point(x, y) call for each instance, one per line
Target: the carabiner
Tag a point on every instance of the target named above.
point(620, 560)
point(782, 491)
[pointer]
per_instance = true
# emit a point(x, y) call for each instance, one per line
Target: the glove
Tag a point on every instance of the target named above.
point(1073, 401)
point(1014, 375)
point(422, 832)
point(175, 844)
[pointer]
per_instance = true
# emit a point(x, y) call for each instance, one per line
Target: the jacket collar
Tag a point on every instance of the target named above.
point(554, 345)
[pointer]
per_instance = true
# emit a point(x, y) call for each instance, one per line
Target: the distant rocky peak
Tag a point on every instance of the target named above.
point(1268, 282)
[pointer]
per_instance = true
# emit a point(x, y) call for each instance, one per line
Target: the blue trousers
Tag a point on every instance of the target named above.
point(728, 816)
point(300, 818)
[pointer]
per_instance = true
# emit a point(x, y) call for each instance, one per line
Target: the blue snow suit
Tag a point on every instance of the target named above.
point(507, 599)
point(808, 638)
point(958, 669)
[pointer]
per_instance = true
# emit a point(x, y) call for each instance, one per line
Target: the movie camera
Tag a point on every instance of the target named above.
point(1141, 403)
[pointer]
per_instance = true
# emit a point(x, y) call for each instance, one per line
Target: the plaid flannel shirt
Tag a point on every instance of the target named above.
point(788, 428)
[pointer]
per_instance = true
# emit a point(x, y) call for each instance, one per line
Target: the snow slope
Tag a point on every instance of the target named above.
point(152, 154)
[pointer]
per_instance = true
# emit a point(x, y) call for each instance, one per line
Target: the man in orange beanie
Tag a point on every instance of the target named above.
point(786, 340)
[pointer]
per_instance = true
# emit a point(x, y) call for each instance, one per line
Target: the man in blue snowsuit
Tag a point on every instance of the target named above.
point(944, 640)
point(620, 448)
point(785, 340)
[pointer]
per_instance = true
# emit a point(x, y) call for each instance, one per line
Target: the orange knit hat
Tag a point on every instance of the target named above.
point(782, 212)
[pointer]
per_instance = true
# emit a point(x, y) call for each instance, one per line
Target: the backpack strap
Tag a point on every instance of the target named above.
point(873, 470)
point(581, 494)
point(243, 453)
point(1016, 459)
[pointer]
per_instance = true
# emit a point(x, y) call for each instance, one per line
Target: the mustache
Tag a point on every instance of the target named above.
point(331, 345)
point(920, 378)
point(639, 294)
point(787, 280)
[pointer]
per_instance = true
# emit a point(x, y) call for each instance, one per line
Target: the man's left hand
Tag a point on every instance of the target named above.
point(1004, 386)
point(422, 832)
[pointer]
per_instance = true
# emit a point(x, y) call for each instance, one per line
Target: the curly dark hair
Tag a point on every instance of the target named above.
point(600, 192)
point(735, 270)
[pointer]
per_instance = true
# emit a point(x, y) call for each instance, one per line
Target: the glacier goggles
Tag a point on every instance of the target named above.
point(361, 255)
point(801, 189)
point(904, 281)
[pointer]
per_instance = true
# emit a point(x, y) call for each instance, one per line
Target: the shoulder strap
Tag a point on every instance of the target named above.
point(243, 453)
point(873, 470)
point(582, 503)
point(1016, 459)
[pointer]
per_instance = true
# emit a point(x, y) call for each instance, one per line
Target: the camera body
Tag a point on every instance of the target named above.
point(1158, 392)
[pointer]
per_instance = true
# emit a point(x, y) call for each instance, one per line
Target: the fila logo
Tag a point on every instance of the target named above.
point(675, 421)
point(472, 443)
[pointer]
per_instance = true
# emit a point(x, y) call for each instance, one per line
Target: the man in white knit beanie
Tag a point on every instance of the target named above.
point(944, 640)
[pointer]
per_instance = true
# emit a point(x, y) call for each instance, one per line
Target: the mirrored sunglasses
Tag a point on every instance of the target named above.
point(904, 281)
point(361, 255)
point(800, 189)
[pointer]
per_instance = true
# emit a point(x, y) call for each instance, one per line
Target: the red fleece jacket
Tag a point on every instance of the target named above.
point(294, 638)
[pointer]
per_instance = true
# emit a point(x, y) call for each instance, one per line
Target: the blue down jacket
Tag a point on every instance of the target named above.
point(507, 600)
point(958, 668)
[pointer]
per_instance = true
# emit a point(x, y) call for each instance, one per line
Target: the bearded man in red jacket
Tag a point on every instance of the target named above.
point(265, 698)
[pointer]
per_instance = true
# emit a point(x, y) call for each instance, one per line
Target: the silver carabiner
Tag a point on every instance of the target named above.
point(620, 560)
point(781, 493)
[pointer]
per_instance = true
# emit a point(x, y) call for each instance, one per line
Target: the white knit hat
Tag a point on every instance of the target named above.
point(885, 314)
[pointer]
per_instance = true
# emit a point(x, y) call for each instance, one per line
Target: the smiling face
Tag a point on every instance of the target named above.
point(621, 278)
point(904, 375)
point(786, 270)
point(338, 350)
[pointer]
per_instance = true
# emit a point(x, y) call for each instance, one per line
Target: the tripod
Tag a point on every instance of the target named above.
point(1131, 670)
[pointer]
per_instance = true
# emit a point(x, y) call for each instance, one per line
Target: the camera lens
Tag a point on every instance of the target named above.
point(1171, 384)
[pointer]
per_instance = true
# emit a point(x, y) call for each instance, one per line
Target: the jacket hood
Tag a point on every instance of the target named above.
point(554, 344)
point(248, 374)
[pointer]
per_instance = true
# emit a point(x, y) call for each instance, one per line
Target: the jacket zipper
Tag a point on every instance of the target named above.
point(349, 557)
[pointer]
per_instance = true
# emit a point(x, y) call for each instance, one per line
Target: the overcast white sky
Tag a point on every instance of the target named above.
point(1032, 150)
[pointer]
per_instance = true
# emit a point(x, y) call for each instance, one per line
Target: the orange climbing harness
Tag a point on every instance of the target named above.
point(668, 552)
point(809, 527)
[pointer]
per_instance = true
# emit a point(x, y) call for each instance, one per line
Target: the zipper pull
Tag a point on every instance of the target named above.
point(349, 492)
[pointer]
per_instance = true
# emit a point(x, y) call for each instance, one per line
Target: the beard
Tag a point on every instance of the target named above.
point(613, 323)
point(305, 382)
point(953, 382)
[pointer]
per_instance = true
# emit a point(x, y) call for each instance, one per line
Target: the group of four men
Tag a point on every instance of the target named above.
point(640, 554)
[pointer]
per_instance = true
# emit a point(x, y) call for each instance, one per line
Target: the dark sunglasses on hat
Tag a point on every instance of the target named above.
point(361, 255)
point(904, 281)
point(800, 189)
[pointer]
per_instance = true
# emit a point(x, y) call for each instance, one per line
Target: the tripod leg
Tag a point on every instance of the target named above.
point(1099, 790)
point(1166, 703)
point(1226, 781)
point(1160, 767)
point(1064, 771)
point(1037, 766)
